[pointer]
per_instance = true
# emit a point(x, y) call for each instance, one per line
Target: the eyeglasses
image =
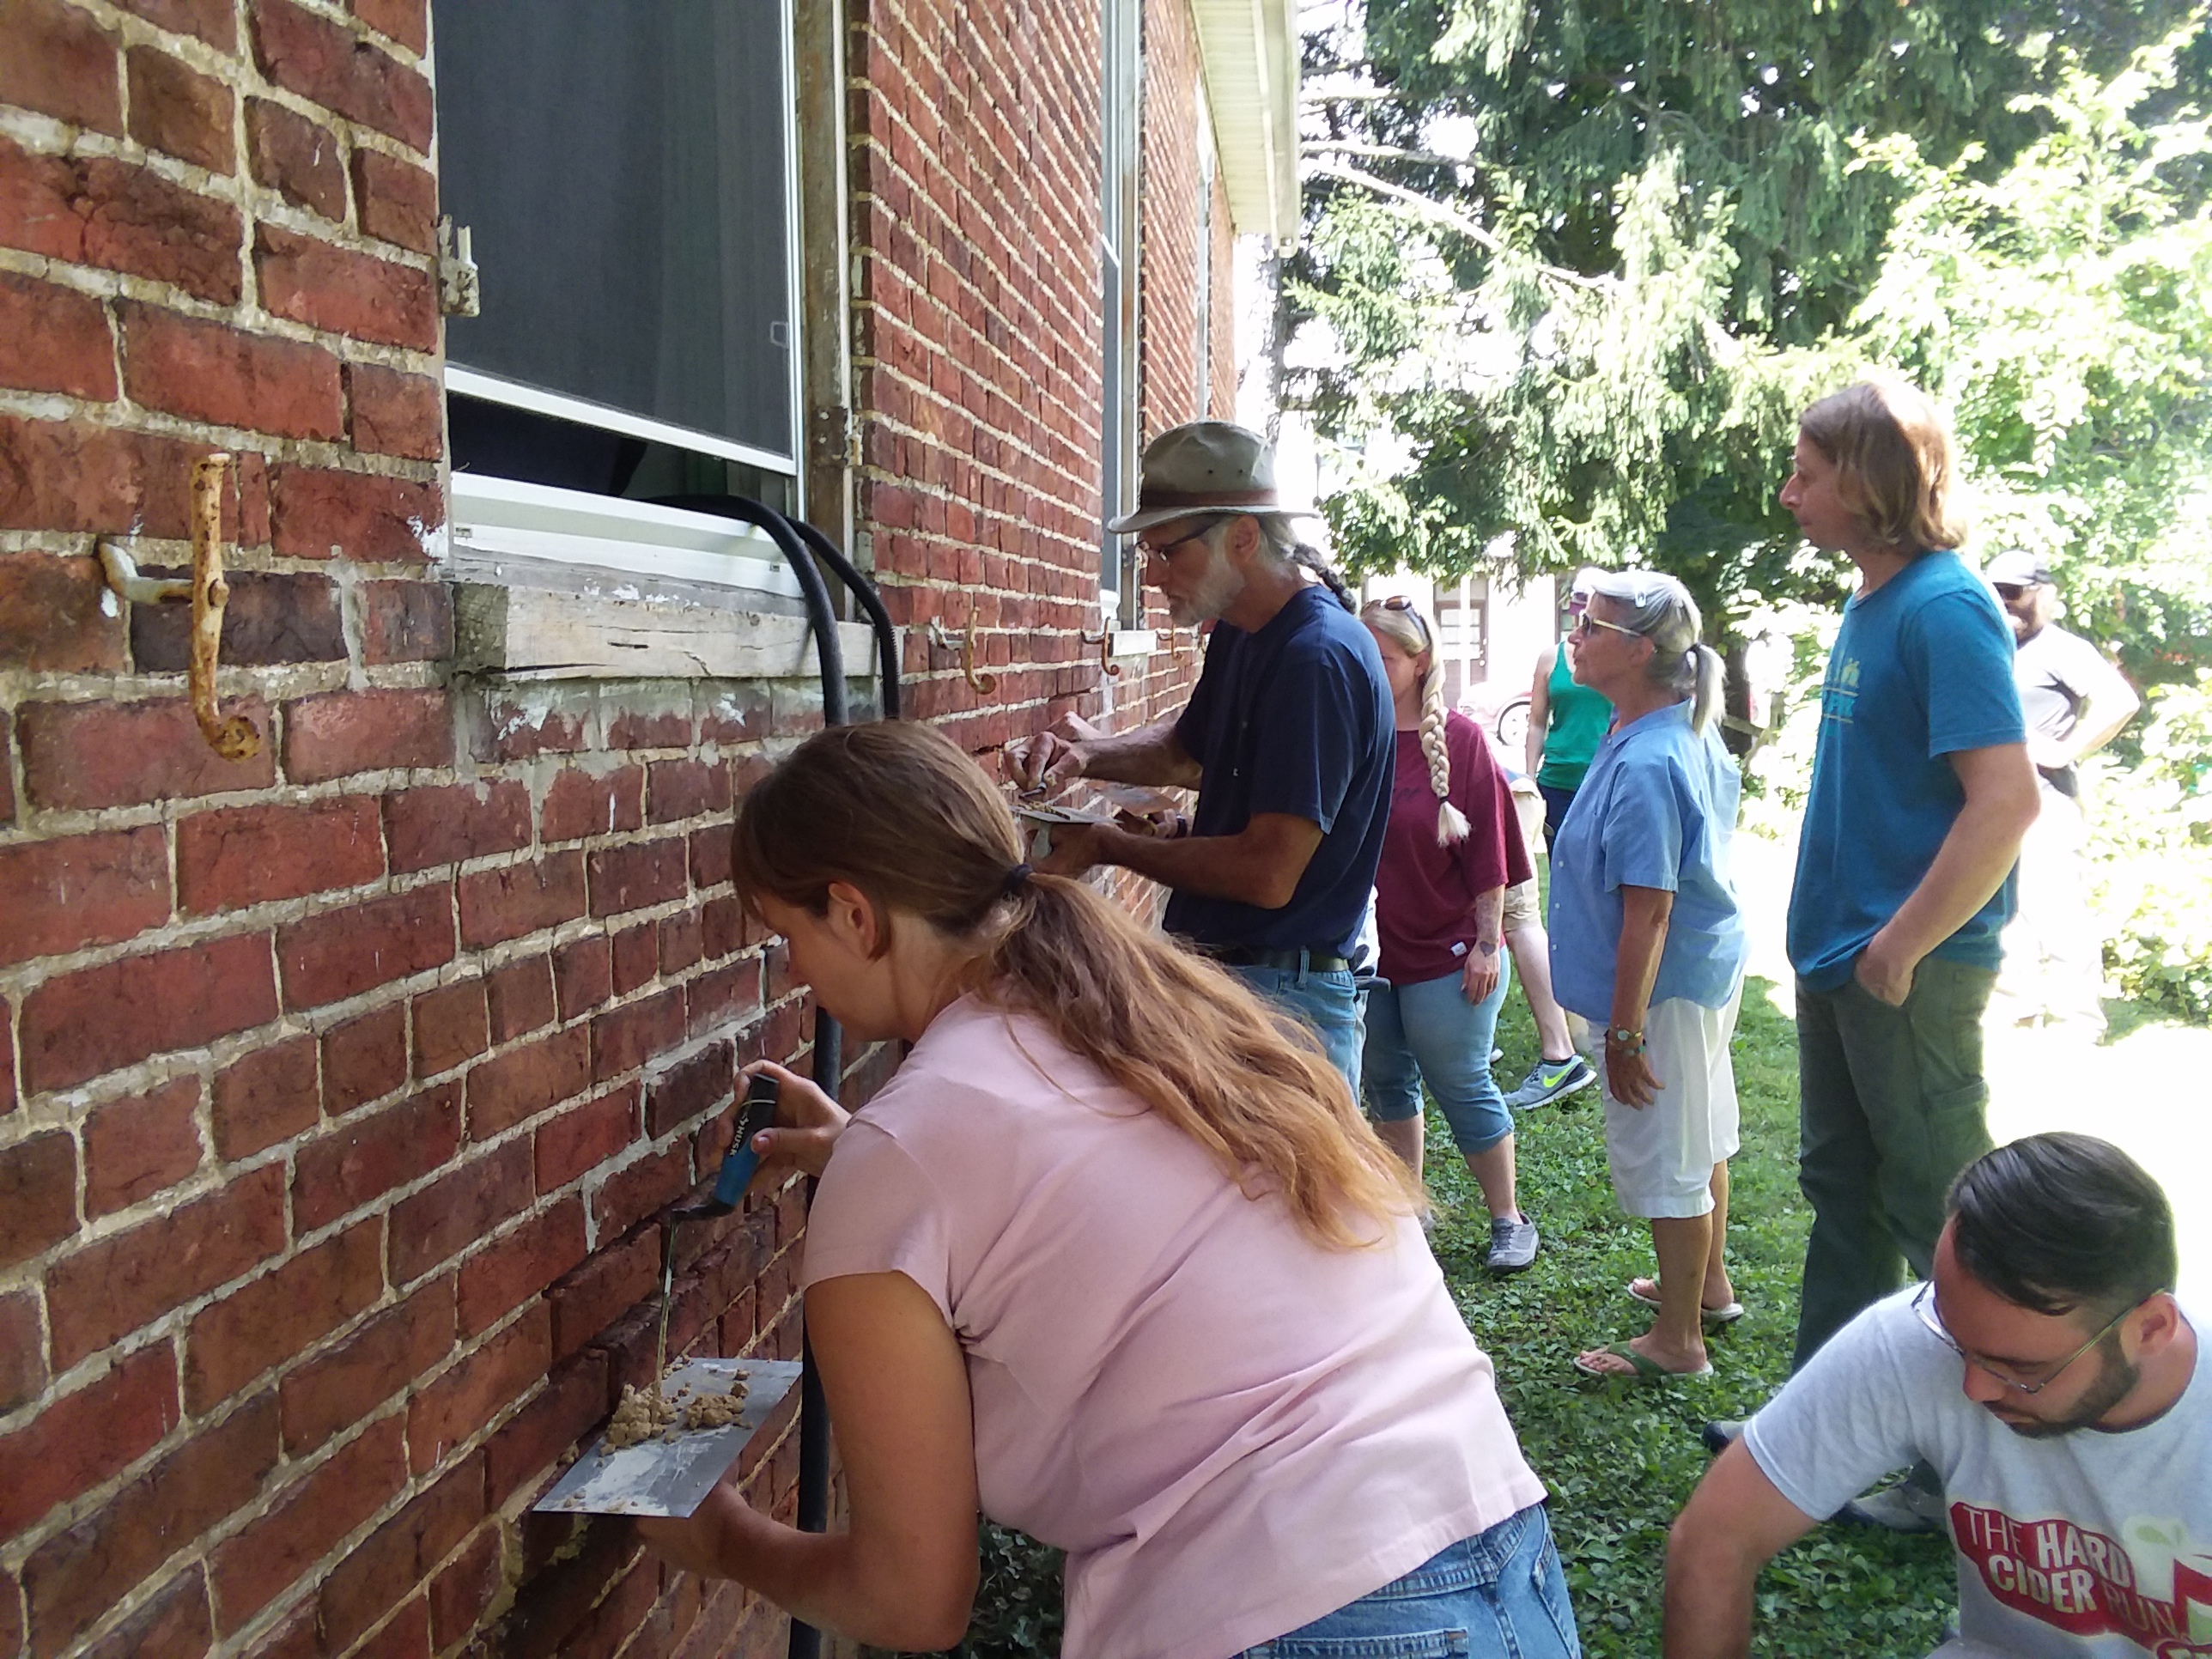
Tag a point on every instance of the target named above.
point(2009, 590)
point(1160, 551)
point(1924, 1304)
point(1585, 622)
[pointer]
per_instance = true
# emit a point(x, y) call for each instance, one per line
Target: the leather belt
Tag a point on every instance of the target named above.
point(1310, 961)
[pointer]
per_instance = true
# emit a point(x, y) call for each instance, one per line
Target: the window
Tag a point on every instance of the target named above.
point(627, 175)
point(1204, 377)
point(1120, 594)
point(1463, 635)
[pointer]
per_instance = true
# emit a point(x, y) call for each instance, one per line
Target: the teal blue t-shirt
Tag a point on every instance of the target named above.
point(1923, 669)
point(1658, 809)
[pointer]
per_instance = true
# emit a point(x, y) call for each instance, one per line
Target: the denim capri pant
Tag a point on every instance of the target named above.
point(1429, 1031)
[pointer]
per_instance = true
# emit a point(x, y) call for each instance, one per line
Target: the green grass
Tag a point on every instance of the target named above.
point(1620, 1459)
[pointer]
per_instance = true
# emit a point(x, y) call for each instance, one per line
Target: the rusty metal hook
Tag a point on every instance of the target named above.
point(939, 635)
point(234, 738)
point(1104, 639)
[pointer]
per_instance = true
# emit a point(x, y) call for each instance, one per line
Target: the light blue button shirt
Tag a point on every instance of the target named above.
point(1656, 810)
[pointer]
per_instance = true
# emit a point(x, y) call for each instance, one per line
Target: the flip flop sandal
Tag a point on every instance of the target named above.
point(1646, 1370)
point(1715, 1318)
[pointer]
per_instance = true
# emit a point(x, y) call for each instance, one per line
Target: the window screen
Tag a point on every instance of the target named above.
point(625, 171)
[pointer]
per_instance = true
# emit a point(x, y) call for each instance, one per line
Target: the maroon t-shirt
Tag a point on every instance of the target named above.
point(1425, 894)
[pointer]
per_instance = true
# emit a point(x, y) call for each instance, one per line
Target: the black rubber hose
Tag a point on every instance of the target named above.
point(871, 602)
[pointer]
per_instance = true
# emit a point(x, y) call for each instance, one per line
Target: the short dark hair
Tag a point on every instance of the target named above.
point(2057, 1223)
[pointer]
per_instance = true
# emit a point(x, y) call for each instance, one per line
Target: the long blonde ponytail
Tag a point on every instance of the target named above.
point(1410, 630)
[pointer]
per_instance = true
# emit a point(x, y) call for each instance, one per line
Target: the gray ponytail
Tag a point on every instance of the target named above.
point(1275, 530)
point(1657, 606)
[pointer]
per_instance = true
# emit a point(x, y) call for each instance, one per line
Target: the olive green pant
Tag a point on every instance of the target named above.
point(1892, 1105)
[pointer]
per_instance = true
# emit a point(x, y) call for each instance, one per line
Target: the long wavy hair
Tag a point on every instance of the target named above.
point(1895, 463)
point(897, 811)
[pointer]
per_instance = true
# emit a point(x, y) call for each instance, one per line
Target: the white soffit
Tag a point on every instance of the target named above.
point(1250, 52)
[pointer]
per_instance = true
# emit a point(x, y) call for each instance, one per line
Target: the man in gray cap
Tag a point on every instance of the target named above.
point(2075, 703)
point(1288, 737)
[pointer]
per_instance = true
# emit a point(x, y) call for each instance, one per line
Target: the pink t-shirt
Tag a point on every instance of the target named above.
point(1230, 1430)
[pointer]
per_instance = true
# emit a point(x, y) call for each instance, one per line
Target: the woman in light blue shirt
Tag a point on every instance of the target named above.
point(1647, 944)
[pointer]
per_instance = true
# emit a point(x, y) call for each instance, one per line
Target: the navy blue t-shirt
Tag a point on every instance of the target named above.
point(1923, 669)
point(1295, 718)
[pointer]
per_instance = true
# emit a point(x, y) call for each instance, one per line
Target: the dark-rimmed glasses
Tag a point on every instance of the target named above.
point(2009, 591)
point(1161, 551)
point(1923, 1305)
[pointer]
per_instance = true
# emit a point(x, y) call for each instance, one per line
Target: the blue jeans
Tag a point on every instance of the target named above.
point(1499, 1595)
point(1328, 1002)
point(1431, 1030)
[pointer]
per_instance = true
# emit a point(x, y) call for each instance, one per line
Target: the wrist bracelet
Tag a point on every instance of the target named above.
point(1619, 1037)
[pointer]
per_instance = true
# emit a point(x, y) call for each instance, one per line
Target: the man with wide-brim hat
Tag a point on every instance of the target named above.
point(1288, 736)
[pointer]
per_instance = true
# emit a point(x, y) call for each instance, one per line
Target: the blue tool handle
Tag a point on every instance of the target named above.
point(737, 1167)
point(757, 1113)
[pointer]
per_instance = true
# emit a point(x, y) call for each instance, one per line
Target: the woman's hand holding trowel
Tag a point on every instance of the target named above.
point(807, 1125)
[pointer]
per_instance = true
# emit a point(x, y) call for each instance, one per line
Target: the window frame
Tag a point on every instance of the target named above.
point(1120, 155)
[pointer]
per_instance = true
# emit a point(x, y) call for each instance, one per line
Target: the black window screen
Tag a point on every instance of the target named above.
point(624, 169)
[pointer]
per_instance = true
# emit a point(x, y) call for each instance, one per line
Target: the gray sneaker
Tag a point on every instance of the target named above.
point(1722, 1433)
point(1904, 1507)
point(1512, 1244)
point(1552, 1080)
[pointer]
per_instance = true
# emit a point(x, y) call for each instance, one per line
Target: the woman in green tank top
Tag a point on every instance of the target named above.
point(1566, 723)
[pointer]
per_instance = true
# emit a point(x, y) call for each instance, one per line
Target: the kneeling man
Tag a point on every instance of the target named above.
point(2051, 1378)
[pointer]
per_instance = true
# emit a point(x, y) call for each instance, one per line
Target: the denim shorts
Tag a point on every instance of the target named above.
point(1329, 1003)
point(1500, 1594)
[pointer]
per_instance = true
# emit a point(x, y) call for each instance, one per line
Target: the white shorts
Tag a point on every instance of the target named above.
point(1662, 1156)
point(1523, 908)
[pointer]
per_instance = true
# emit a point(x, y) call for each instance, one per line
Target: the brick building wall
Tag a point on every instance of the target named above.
point(343, 1089)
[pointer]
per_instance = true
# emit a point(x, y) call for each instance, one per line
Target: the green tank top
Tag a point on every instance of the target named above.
point(1579, 721)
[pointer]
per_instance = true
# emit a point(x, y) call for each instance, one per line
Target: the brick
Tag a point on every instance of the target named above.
point(295, 158)
point(690, 1088)
point(627, 1038)
point(581, 1136)
point(581, 804)
point(317, 515)
point(329, 64)
point(88, 1436)
point(464, 1588)
point(62, 896)
point(358, 1162)
point(632, 877)
point(114, 1285)
point(93, 755)
point(270, 1096)
point(636, 957)
point(520, 1083)
point(54, 339)
point(249, 854)
point(23, 1374)
point(406, 21)
point(292, 1637)
point(209, 371)
point(650, 725)
point(38, 1194)
point(270, 619)
point(498, 905)
point(446, 1412)
point(583, 975)
point(681, 943)
point(55, 614)
point(710, 856)
point(721, 921)
point(446, 1218)
point(60, 62)
point(606, 1286)
point(140, 1146)
point(344, 732)
point(521, 996)
point(350, 1380)
point(215, 21)
point(343, 952)
point(175, 1624)
point(519, 1263)
point(450, 1027)
point(686, 789)
point(94, 211)
point(399, 1555)
point(446, 823)
point(75, 476)
point(572, 1404)
point(179, 112)
point(405, 622)
point(405, 1635)
point(100, 1020)
point(724, 996)
point(396, 200)
point(637, 1190)
point(511, 728)
point(304, 1521)
point(268, 1319)
point(312, 281)
point(79, 1573)
point(364, 1059)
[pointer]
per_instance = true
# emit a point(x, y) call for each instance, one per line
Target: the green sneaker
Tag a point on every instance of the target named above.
point(1552, 1080)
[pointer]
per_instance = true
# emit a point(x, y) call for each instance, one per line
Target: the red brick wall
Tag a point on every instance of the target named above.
point(343, 1089)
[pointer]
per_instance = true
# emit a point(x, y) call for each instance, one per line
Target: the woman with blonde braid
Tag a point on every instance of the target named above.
point(1452, 848)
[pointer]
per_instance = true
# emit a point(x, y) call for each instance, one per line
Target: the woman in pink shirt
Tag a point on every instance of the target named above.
point(1112, 1258)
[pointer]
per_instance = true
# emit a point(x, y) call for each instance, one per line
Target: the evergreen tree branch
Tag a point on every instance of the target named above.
point(1438, 213)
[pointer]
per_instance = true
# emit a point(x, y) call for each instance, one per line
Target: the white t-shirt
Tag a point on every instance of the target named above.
point(1231, 1429)
point(2090, 1544)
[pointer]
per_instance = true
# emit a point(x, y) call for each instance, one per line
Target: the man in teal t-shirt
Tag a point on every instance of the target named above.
point(1921, 792)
